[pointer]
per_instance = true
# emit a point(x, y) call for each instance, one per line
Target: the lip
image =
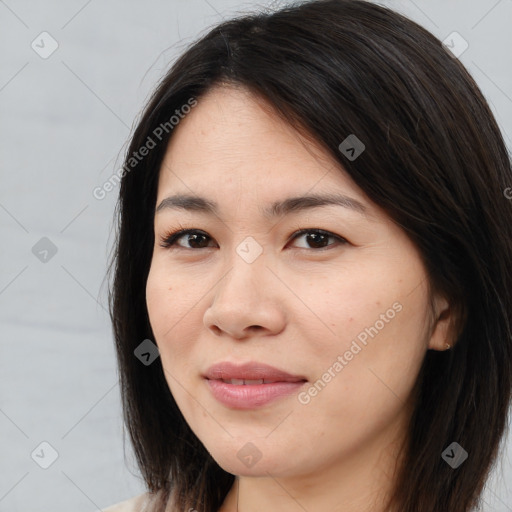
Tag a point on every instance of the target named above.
point(250, 396)
point(249, 371)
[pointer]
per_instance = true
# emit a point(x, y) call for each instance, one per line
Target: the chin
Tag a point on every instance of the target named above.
point(248, 460)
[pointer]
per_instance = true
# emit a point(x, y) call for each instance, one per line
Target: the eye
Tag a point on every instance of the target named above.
point(316, 238)
point(195, 236)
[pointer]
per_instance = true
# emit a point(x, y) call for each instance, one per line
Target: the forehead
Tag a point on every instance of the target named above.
point(232, 144)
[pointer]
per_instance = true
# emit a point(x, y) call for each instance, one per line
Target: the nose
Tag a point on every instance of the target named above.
point(246, 302)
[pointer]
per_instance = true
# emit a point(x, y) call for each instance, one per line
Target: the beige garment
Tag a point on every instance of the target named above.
point(135, 504)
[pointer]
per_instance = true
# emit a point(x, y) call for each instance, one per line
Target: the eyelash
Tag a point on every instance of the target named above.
point(169, 239)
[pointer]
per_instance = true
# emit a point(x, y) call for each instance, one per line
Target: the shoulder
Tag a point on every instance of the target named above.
point(135, 504)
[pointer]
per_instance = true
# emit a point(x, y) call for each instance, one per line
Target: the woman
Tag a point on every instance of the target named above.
point(312, 292)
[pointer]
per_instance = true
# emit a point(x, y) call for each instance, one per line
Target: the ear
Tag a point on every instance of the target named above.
point(441, 329)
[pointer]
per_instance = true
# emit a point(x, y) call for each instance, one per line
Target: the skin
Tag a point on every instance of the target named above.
point(297, 306)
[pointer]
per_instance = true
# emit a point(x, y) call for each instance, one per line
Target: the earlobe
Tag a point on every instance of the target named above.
point(441, 328)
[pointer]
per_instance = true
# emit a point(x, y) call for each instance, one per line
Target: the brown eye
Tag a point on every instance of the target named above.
point(195, 238)
point(318, 238)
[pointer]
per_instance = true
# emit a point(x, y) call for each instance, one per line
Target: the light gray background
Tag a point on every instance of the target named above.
point(64, 123)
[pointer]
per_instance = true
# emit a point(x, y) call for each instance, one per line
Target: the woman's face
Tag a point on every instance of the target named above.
point(345, 312)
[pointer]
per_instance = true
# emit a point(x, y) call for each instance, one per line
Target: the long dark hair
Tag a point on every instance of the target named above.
point(435, 161)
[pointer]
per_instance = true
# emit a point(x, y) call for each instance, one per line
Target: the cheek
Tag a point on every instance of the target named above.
point(343, 308)
point(172, 305)
point(375, 322)
point(365, 391)
point(157, 297)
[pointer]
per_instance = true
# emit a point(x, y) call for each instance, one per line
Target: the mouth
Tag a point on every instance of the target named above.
point(249, 373)
point(250, 382)
point(250, 385)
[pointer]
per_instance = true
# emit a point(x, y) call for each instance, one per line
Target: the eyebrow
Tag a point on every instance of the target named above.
point(276, 209)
